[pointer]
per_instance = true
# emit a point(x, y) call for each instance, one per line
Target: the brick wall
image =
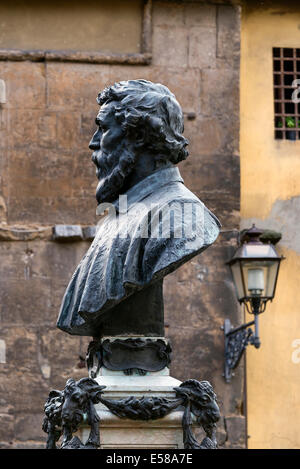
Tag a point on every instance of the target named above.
point(47, 177)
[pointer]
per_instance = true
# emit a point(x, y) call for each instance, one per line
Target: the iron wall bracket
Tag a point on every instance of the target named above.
point(236, 341)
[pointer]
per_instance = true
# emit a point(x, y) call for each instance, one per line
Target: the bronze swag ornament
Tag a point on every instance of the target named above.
point(65, 412)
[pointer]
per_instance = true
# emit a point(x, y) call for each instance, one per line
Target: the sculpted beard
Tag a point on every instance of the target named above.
point(113, 171)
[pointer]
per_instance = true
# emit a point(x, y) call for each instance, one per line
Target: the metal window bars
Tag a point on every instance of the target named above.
point(286, 77)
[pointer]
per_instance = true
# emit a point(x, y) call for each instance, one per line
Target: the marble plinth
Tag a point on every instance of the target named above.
point(118, 433)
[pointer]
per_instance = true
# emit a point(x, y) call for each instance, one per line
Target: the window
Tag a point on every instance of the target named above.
point(286, 72)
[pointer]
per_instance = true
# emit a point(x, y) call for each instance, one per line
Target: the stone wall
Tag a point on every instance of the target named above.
point(47, 178)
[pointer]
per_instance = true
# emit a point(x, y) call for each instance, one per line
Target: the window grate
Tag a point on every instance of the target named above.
point(286, 69)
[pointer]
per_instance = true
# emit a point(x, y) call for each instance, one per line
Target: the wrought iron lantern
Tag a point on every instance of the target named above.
point(254, 268)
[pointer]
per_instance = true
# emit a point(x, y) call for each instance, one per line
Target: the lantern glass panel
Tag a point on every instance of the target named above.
point(266, 281)
point(237, 278)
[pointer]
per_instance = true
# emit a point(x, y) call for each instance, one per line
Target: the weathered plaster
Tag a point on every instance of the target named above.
point(284, 217)
point(270, 197)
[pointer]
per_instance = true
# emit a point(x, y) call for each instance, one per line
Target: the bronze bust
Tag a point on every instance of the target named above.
point(154, 224)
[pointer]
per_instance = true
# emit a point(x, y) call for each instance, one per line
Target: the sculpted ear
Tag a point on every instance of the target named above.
point(54, 393)
point(136, 136)
point(92, 388)
point(182, 392)
point(96, 394)
point(140, 137)
point(70, 381)
point(189, 387)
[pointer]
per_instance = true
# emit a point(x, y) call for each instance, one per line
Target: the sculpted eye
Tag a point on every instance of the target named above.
point(101, 126)
point(99, 123)
point(76, 397)
point(205, 398)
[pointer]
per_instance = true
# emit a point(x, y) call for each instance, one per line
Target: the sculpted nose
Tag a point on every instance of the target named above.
point(95, 141)
point(216, 413)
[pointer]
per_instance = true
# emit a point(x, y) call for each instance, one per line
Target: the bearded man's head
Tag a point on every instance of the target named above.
point(135, 117)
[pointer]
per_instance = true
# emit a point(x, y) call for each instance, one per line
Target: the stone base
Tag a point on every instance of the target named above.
point(124, 433)
point(116, 433)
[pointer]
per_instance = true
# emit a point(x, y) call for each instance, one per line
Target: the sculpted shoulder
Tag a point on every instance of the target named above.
point(188, 215)
point(179, 227)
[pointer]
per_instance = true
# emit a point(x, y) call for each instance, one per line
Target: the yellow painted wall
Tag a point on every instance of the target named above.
point(270, 196)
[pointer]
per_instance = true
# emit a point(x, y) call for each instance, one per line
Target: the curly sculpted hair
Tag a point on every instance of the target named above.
point(150, 109)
